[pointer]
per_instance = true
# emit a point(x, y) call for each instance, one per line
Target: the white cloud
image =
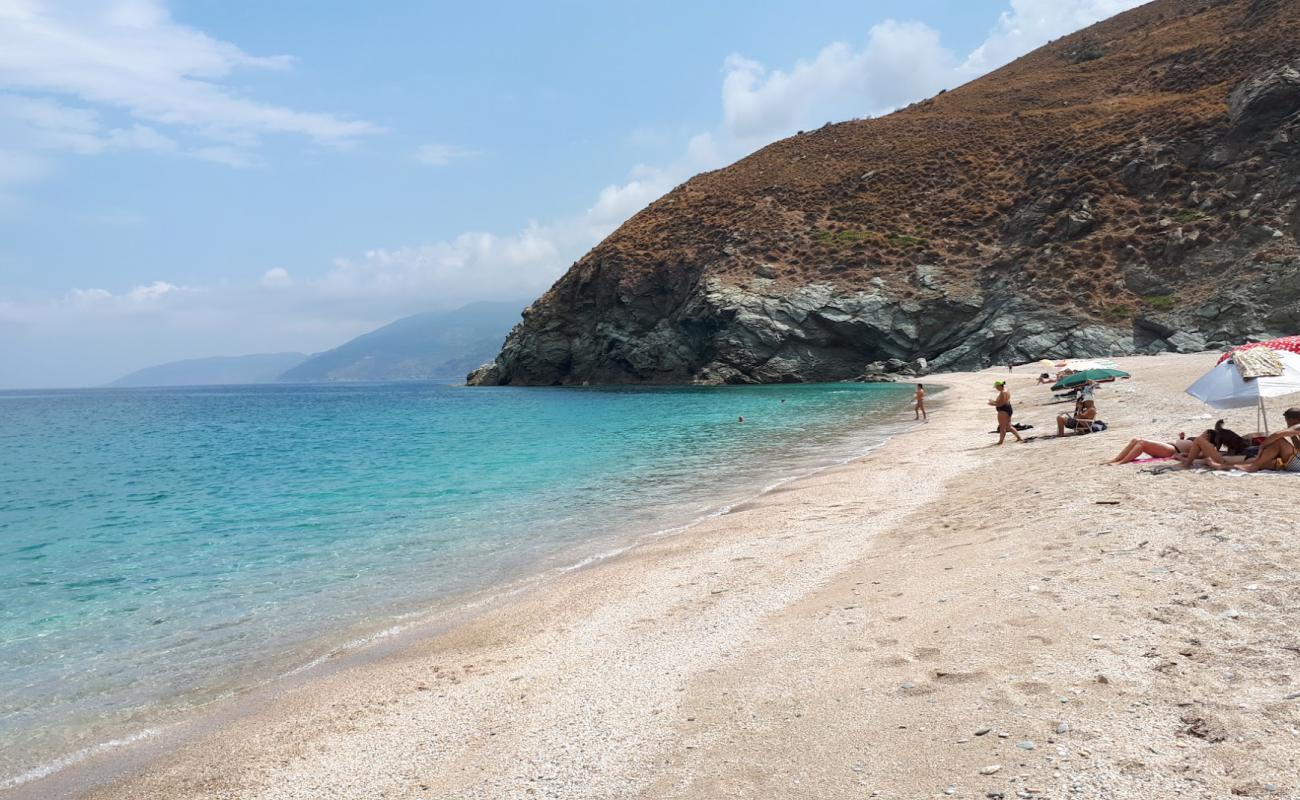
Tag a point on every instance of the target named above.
point(146, 297)
point(1031, 23)
point(64, 65)
point(229, 156)
point(277, 278)
point(901, 61)
point(440, 155)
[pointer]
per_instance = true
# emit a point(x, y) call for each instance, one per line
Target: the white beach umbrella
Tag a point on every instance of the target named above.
point(1082, 364)
point(1223, 386)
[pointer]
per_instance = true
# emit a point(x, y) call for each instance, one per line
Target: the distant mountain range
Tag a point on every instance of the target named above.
point(437, 345)
point(259, 368)
point(431, 346)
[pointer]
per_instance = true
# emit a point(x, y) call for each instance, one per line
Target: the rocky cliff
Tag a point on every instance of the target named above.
point(1130, 188)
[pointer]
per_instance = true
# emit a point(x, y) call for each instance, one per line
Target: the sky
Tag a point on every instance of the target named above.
point(219, 177)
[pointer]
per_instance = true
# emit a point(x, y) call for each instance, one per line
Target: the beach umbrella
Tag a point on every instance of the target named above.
point(1224, 387)
point(1095, 375)
point(1081, 364)
point(1289, 344)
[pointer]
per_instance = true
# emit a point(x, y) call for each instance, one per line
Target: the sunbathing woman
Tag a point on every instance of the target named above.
point(1136, 448)
point(1002, 403)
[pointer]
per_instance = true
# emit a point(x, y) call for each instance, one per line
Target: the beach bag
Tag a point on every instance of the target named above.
point(1098, 426)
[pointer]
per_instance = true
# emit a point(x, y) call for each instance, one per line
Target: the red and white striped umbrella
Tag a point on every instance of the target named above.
point(1289, 344)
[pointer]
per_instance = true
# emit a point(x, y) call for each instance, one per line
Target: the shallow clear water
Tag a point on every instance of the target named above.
point(158, 547)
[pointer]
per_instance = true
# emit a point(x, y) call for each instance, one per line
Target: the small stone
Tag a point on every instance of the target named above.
point(1063, 727)
point(1292, 696)
point(950, 790)
point(1003, 735)
point(991, 769)
point(963, 740)
point(909, 685)
point(1096, 638)
point(1231, 613)
point(1102, 679)
point(983, 731)
point(1026, 745)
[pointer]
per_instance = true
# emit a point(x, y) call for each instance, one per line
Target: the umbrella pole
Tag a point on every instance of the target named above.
point(1262, 414)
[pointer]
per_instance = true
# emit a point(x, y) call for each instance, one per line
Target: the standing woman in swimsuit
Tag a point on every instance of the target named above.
point(920, 403)
point(1002, 403)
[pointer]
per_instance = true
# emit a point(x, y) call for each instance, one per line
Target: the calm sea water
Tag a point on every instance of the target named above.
point(162, 547)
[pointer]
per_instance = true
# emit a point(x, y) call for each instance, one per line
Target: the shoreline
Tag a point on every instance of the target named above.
point(370, 641)
point(940, 618)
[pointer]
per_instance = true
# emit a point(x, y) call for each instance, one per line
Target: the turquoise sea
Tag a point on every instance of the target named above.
point(162, 548)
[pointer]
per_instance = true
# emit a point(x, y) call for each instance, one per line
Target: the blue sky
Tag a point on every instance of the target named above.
point(213, 178)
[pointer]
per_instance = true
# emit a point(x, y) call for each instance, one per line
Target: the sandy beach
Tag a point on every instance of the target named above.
point(939, 619)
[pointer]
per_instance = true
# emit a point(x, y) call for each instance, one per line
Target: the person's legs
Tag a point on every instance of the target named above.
point(1136, 448)
point(1004, 419)
point(1279, 450)
point(1202, 448)
point(1060, 424)
point(1129, 452)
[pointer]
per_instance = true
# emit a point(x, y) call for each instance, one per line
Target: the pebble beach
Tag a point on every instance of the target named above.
point(941, 618)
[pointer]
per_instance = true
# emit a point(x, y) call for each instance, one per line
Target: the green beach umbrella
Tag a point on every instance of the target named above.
point(1080, 378)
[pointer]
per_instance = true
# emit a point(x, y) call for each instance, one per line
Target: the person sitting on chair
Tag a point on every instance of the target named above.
point(1085, 414)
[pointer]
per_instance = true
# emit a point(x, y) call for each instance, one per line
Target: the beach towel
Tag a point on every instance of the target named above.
point(1259, 362)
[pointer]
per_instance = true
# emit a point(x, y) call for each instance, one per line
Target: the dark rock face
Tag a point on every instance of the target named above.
point(1264, 101)
point(1027, 215)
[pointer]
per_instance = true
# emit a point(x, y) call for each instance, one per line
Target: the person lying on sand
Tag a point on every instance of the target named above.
point(1136, 448)
point(1085, 413)
point(1281, 450)
point(1205, 449)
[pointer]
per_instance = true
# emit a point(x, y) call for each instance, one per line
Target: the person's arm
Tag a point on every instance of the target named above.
point(1289, 433)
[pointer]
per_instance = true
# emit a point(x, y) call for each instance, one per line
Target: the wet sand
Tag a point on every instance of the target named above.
point(941, 618)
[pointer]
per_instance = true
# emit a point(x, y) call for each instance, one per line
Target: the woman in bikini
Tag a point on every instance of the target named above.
point(1002, 404)
point(1137, 448)
point(920, 403)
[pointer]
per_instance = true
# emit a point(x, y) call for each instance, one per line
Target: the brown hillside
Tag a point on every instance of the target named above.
point(1128, 188)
